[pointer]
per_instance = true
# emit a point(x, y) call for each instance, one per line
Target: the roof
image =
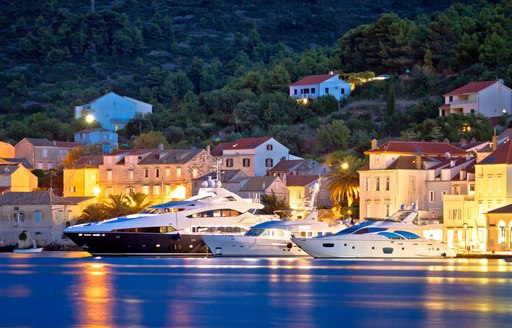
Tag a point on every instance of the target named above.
point(243, 143)
point(313, 79)
point(8, 169)
point(403, 163)
point(287, 165)
point(472, 87)
point(47, 143)
point(92, 161)
point(501, 210)
point(89, 130)
point(171, 156)
point(502, 155)
point(300, 180)
point(259, 183)
point(414, 147)
point(47, 197)
point(67, 144)
point(39, 142)
point(226, 176)
point(22, 161)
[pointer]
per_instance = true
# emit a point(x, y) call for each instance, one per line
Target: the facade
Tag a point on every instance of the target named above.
point(315, 86)
point(113, 111)
point(106, 138)
point(6, 150)
point(42, 153)
point(489, 98)
point(255, 187)
point(405, 172)
point(300, 190)
point(231, 180)
point(300, 167)
point(82, 180)
point(163, 175)
point(15, 177)
point(42, 215)
point(254, 156)
point(499, 225)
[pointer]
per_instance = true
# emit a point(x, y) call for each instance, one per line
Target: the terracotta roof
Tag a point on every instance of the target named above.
point(300, 180)
point(94, 130)
point(259, 183)
point(403, 163)
point(67, 144)
point(314, 79)
point(37, 198)
point(286, 165)
point(414, 147)
point(501, 210)
point(171, 156)
point(93, 161)
point(39, 142)
point(244, 143)
point(472, 87)
point(502, 155)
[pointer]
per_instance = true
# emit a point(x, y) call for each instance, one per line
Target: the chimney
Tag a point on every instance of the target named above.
point(208, 149)
point(373, 144)
point(417, 160)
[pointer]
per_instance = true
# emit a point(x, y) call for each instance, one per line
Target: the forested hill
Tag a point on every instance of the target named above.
point(224, 66)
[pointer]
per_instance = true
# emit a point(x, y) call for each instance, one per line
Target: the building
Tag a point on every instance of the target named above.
point(6, 150)
point(255, 187)
point(106, 138)
point(43, 154)
point(42, 215)
point(315, 86)
point(489, 98)
point(299, 167)
point(254, 156)
point(409, 172)
point(15, 177)
point(113, 111)
point(300, 190)
point(82, 180)
point(163, 175)
point(231, 180)
point(499, 228)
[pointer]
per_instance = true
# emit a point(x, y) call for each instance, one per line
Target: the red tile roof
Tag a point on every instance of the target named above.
point(413, 147)
point(313, 79)
point(244, 143)
point(502, 155)
point(472, 87)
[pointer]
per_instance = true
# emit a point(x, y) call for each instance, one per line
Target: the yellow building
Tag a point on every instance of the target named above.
point(6, 150)
point(82, 180)
point(499, 223)
point(15, 177)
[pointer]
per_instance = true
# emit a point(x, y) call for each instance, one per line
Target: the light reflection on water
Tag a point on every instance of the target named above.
point(206, 292)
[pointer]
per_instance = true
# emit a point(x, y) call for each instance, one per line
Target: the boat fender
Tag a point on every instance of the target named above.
point(289, 245)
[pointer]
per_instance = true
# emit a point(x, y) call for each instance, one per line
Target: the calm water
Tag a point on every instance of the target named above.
point(59, 289)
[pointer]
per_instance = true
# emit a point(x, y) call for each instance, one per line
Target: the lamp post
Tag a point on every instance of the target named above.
point(465, 237)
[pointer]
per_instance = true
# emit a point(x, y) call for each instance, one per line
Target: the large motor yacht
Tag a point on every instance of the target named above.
point(273, 238)
point(396, 237)
point(172, 228)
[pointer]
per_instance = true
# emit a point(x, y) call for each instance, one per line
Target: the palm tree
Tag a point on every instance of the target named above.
point(93, 213)
point(343, 179)
point(273, 203)
point(138, 201)
point(117, 205)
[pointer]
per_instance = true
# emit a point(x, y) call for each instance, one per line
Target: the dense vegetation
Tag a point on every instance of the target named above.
point(218, 70)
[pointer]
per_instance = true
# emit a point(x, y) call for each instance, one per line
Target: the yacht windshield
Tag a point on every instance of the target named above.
point(398, 216)
point(390, 235)
point(353, 228)
point(407, 234)
point(254, 232)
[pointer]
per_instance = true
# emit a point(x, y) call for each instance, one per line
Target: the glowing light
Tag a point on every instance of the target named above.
point(96, 191)
point(89, 118)
point(344, 165)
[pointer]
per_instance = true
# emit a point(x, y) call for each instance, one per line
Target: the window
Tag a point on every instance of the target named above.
point(167, 172)
point(431, 196)
point(130, 174)
point(269, 162)
point(502, 232)
point(295, 91)
point(342, 91)
point(178, 172)
point(130, 189)
point(194, 173)
point(326, 90)
point(306, 91)
point(45, 152)
point(270, 147)
point(377, 159)
point(146, 173)
point(387, 210)
point(37, 216)
point(472, 111)
point(366, 184)
point(229, 162)
point(387, 184)
point(109, 174)
point(145, 190)
point(450, 98)
point(156, 190)
point(377, 184)
point(157, 173)
point(73, 189)
point(313, 90)
point(246, 162)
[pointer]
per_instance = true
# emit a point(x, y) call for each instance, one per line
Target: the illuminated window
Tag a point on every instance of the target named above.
point(502, 232)
point(145, 190)
point(167, 172)
point(178, 172)
point(156, 190)
point(194, 173)
point(109, 174)
point(130, 174)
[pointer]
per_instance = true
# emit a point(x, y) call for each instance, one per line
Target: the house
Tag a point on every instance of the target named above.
point(16, 161)
point(106, 138)
point(254, 156)
point(255, 187)
point(41, 214)
point(6, 150)
point(42, 153)
point(231, 180)
point(300, 190)
point(299, 167)
point(82, 180)
point(489, 98)
point(315, 86)
point(163, 175)
point(113, 111)
point(499, 229)
point(409, 172)
point(16, 177)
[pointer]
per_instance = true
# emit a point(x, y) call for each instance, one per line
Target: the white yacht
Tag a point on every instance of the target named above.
point(172, 228)
point(396, 237)
point(273, 238)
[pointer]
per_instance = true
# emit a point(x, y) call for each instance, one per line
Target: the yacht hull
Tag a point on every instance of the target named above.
point(140, 244)
point(225, 245)
point(339, 248)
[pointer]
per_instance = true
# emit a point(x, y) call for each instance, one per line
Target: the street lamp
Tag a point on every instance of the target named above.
point(344, 165)
point(89, 118)
point(465, 237)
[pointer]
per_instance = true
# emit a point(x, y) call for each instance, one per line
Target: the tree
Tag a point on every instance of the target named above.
point(333, 136)
point(151, 140)
point(273, 203)
point(93, 213)
point(86, 150)
point(117, 205)
point(138, 201)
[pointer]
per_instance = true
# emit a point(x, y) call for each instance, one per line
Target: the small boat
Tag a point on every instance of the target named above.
point(34, 249)
point(7, 248)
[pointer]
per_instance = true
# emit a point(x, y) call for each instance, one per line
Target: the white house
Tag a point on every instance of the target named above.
point(320, 85)
point(254, 156)
point(113, 111)
point(489, 98)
